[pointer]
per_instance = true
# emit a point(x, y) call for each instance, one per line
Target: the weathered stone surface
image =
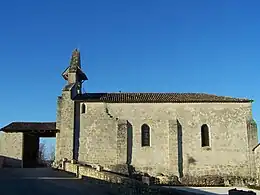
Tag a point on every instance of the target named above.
point(203, 180)
point(65, 116)
point(228, 152)
point(163, 180)
point(257, 164)
point(11, 149)
point(120, 168)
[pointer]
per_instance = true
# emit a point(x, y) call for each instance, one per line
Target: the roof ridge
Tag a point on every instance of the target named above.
point(154, 97)
point(179, 93)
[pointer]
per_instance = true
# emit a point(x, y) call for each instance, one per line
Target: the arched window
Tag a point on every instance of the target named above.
point(83, 108)
point(145, 130)
point(204, 135)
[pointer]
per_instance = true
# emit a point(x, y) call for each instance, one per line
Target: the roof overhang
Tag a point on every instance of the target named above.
point(82, 75)
point(42, 128)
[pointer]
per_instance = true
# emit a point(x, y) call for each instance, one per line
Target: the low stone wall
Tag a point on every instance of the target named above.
point(81, 171)
point(202, 181)
point(216, 180)
point(121, 184)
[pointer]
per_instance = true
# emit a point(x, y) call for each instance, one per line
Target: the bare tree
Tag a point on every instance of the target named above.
point(52, 154)
point(42, 153)
point(46, 155)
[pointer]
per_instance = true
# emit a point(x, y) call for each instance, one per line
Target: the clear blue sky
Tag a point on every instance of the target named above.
point(132, 46)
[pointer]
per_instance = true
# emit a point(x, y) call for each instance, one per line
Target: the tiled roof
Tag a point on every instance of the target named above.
point(156, 98)
point(29, 126)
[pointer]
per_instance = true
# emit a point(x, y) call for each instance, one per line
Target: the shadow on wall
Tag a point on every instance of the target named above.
point(129, 143)
point(10, 162)
point(76, 130)
point(191, 160)
point(180, 149)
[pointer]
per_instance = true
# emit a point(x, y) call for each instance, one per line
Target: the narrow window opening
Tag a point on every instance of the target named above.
point(145, 137)
point(204, 135)
point(83, 108)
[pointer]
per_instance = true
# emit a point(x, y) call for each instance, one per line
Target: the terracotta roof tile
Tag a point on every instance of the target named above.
point(156, 98)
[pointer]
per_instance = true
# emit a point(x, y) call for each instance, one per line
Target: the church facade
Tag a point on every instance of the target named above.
point(158, 133)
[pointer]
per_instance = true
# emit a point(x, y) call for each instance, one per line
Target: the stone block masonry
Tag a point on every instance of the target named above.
point(175, 134)
point(11, 149)
point(65, 118)
point(122, 143)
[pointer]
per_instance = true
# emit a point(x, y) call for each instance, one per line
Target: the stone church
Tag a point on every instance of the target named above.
point(169, 133)
point(177, 134)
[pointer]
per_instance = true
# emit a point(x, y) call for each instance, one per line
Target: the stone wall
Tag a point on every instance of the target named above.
point(11, 149)
point(256, 152)
point(98, 138)
point(81, 171)
point(65, 118)
point(122, 142)
point(58, 112)
point(228, 153)
point(252, 135)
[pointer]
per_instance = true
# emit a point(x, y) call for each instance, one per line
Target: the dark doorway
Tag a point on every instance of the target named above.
point(30, 150)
